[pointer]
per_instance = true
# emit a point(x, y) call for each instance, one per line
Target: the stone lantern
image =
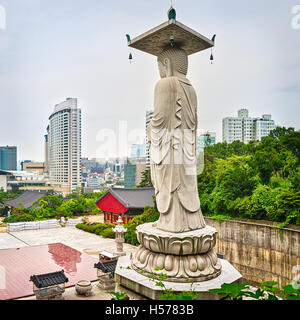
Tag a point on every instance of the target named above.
point(119, 231)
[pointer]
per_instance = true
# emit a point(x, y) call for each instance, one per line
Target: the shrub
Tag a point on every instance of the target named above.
point(88, 228)
point(100, 229)
point(288, 206)
point(19, 218)
point(108, 233)
point(262, 203)
point(149, 215)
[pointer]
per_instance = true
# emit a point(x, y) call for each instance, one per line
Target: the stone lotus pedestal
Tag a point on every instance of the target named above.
point(179, 256)
point(187, 259)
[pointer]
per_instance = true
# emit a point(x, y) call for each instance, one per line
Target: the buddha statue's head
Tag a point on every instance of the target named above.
point(173, 62)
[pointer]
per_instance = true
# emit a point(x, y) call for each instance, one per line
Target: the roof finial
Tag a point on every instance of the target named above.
point(172, 13)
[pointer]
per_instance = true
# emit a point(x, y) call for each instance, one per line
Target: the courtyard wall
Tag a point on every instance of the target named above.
point(259, 252)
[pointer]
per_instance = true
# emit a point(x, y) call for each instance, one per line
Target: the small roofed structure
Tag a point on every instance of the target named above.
point(50, 285)
point(106, 273)
point(107, 266)
point(126, 203)
point(26, 199)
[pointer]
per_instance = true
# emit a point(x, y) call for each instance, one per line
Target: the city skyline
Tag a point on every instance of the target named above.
point(46, 58)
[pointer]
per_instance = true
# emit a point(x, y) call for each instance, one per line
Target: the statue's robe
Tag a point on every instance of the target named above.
point(172, 135)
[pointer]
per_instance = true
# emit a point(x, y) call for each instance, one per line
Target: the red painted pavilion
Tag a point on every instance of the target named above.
point(125, 202)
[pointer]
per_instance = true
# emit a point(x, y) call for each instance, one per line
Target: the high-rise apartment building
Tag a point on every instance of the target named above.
point(245, 128)
point(64, 140)
point(8, 158)
point(149, 116)
point(46, 170)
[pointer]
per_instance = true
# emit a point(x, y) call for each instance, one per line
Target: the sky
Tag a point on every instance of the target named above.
point(51, 50)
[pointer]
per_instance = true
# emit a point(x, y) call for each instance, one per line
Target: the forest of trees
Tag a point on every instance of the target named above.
point(259, 180)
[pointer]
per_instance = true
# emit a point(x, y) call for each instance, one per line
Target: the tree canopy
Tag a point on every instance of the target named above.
point(259, 180)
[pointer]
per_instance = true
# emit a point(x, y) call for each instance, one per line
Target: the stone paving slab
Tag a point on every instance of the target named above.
point(7, 241)
point(72, 237)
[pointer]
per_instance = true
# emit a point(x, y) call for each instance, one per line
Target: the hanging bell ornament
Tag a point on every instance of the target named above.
point(172, 41)
point(211, 58)
point(130, 57)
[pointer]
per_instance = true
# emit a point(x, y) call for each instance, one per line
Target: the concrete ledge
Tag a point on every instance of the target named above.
point(144, 286)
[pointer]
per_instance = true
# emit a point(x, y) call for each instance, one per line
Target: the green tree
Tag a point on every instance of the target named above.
point(291, 142)
point(146, 180)
point(268, 158)
point(279, 132)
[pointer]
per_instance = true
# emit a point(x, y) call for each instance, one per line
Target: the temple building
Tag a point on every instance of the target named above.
point(25, 200)
point(125, 202)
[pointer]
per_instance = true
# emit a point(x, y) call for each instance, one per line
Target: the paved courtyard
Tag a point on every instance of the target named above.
point(80, 240)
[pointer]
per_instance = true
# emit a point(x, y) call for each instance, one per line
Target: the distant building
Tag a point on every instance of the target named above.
point(118, 168)
point(133, 173)
point(28, 180)
point(204, 140)
point(246, 129)
point(98, 170)
point(129, 175)
point(137, 151)
point(93, 181)
point(38, 167)
point(3, 180)
point(65, 147)
point(8, 158)
point(149, 116)
point(89, 164)
point(46, 164)
point(264, 126)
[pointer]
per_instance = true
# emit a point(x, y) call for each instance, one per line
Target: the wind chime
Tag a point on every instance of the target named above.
point(212, 52)
point(130, 54)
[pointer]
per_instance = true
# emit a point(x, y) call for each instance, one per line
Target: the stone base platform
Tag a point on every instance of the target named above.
point(129, 278)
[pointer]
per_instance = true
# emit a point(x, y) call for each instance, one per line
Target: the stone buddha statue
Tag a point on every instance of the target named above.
point(179, 245)
point(172, 136)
